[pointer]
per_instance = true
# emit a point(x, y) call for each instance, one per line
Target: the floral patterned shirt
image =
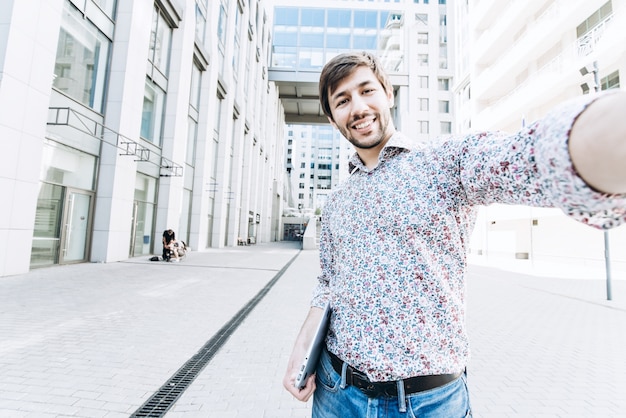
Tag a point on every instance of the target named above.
point(394, 238)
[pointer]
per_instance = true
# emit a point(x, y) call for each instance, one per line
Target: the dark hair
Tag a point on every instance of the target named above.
point(341, 66)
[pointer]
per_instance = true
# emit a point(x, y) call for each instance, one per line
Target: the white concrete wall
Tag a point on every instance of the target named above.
point(28, 42)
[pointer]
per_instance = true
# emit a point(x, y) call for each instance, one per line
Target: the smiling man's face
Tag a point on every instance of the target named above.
point(361, 110)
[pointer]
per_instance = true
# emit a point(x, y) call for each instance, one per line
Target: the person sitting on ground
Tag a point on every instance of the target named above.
point(169, 245)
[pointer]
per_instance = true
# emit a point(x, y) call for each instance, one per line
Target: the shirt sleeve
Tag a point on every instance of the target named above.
point(533, 167)
point(321, 293)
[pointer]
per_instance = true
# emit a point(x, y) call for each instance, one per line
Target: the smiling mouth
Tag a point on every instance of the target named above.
point(364, 124)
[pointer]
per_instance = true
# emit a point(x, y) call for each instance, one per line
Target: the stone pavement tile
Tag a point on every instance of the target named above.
point(98, 339)
point(545, 346)
point(244, 379)
point(542, 347)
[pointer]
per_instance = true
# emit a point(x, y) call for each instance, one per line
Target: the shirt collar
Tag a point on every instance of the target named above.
point(396, 145)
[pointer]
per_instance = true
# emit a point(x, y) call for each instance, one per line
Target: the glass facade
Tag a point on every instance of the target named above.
point(201, 23)
point(82, 59)
point(67, 166)
point(47, 231)
point(107, 6)
point(160, 42)
point(306, 38)
point(152, 115)
point(63, 217)
point(143, 215)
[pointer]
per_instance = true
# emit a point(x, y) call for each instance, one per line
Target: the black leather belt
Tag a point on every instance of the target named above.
point(390, 389)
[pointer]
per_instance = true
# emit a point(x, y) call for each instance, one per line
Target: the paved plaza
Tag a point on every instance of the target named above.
point(100, 340)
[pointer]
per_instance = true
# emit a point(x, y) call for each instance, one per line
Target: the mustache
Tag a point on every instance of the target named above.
point(359, 118)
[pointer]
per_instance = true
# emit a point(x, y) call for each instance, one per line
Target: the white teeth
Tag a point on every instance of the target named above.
point(363, 125)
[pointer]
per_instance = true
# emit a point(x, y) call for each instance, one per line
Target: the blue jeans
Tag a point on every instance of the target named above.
point(332, 400)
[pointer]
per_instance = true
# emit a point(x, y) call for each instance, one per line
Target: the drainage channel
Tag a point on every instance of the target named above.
point(164, 398)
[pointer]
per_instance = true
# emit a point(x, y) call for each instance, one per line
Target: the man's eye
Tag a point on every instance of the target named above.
point(341, 102)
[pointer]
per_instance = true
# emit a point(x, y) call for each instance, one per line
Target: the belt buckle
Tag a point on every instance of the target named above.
point(367, 387)
point(360, 381)
point(372, 389)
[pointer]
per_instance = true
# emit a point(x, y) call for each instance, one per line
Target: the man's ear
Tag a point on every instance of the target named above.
point(390, 99)
point(332, 122)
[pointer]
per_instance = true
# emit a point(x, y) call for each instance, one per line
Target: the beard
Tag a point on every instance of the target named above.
point(372, 139)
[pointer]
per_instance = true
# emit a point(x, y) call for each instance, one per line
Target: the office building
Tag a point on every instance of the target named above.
point(525, 58)
point(316, 163)
point(119, 119)
point(411, 39)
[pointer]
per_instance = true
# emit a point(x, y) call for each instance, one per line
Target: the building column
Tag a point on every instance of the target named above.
point(26, 69)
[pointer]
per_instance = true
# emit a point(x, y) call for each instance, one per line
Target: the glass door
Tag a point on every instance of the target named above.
point(76, 227)
point(141, 229)
point(47, 231)
point(62, 226)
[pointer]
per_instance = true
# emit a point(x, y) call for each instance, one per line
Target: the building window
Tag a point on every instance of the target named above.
point(192, 135)
point(423, 125)
point(307, 37)
point(611, 81)
point(446, 127)
point(595, 19)
point(152, 113)
point(365, 19)
point(67, 166)
point(443, 56)
point(221, 25)
point(422, 38)
point(421, 18)
point(444, 106)
point(422, 60)
point(338, 18)
point(423, 81)
point(201, 13)
point(107, 6)
point(423, 105)
point(81, 60)
point(194, 89)
point(444, 84)
point(221, 34)
point(160, 43)
point(301, 186)
point(236, 43)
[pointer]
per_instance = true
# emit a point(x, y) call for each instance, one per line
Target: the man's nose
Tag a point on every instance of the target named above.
point(359, 105)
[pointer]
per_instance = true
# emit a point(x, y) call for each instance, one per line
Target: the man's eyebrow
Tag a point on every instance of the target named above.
point(343, 92)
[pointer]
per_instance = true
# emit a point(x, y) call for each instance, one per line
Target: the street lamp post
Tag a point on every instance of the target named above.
point(607, 256)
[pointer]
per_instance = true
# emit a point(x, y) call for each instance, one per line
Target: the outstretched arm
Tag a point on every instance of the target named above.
point(597, 144)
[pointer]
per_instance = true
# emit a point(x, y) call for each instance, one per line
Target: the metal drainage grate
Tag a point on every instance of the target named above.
point(163, 399)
